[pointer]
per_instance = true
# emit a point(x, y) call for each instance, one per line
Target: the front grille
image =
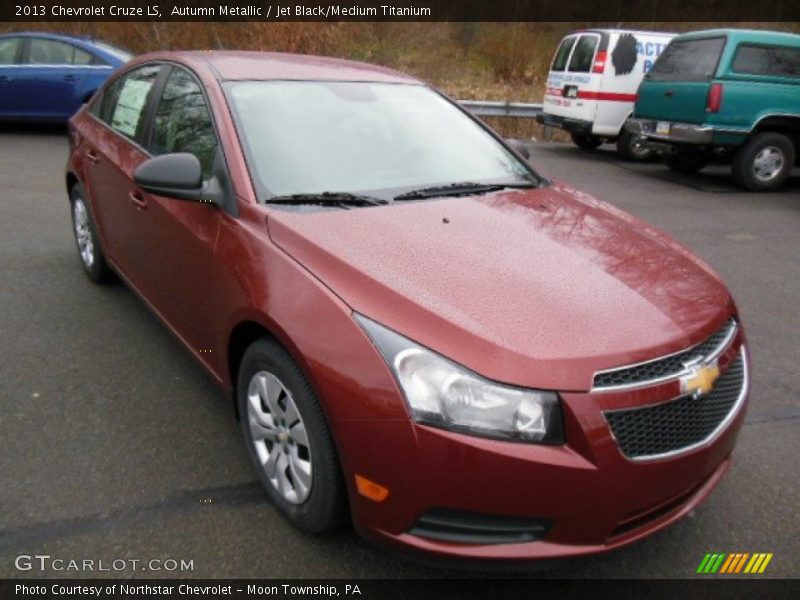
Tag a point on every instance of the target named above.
point(463, 527)
point(663, 368)
point(652, 431)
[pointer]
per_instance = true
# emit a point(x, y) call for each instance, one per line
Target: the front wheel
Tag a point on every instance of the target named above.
point(630, 146)
point(586, 142)
point(288, 439)
point(688, 160)
point(764, 162)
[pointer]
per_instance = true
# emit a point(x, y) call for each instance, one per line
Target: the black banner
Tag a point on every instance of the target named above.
point(252, 589)
point(609, 11)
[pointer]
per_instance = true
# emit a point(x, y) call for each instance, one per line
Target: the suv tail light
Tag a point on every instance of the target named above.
point(714, 99)
point(599, 62)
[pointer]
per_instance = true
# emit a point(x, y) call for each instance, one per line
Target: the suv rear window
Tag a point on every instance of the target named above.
point(562, 54)
point(767, 60)
point(688, 60)
point(581, 61)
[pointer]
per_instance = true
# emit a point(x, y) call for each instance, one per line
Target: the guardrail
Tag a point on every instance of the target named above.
point(483, 108)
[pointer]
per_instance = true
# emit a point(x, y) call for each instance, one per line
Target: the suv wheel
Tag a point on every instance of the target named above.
point(687, 160)
point(288, 438)
point(630, 146)
point(86, 239)
point(764, 162)
point(586, 142)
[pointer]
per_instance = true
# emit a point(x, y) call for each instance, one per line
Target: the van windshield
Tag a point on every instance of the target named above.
point(688, 60)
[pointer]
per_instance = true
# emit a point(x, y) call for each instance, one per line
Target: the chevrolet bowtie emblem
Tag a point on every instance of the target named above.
point(700, 379)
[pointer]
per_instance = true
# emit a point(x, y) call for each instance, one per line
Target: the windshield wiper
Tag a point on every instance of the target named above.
point(466, 188)
point(327, 199)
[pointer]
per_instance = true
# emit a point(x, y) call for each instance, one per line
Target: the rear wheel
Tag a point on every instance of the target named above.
point(288, 439)
point(86, 239)
point(586, 142)
point(764, 162)
point(630, 146)
point(687, 160)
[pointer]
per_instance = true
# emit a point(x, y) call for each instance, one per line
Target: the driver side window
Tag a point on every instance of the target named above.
point(183, 121)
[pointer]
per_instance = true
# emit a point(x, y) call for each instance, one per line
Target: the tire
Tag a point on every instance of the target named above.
point(630, 148)
point(289, 440)
point(586, 142)
point(764, 162)
point(688, 160)
point(87, 241)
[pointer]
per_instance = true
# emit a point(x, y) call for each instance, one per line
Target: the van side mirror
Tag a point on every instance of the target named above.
point(178, 175)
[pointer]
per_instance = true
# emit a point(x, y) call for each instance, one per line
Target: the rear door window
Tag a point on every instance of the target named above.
point(127, 113)
point(767, 60)
point(688, 60)
point(562, 54)
point(583, 55)
point(53, 52)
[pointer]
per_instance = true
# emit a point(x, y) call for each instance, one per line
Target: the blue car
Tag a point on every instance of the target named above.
point(45, 76)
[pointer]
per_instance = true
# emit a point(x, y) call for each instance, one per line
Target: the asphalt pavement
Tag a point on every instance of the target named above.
point(115, 444)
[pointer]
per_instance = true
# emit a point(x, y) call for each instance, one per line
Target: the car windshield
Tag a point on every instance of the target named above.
point(312, 137)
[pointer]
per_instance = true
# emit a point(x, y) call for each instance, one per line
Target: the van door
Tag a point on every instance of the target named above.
point(676, 88)
point(581, 84)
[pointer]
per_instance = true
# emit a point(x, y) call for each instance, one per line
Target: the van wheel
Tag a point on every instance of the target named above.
point(586, 142)
point(764, 162)
point(288, 439)
point(687, 160)
point(630, 146)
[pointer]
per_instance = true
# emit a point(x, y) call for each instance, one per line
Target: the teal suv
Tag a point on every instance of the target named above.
point(725, 93)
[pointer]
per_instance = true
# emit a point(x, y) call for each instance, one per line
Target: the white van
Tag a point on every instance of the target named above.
point(591, 87)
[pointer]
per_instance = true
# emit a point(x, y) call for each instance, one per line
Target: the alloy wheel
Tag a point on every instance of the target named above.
point(279, 436)
point(83, 232)
point(768, 163)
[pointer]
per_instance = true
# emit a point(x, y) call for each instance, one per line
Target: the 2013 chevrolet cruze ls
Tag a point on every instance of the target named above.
point(418, 329)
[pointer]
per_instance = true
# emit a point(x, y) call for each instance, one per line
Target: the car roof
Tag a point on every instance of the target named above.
point(244, 65)
point(754, 35)
point(50, 35)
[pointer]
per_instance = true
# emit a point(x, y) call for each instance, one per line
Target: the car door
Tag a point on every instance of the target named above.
point(176, 239)
point(10, 50)
point(51, 78)
point(112, 153)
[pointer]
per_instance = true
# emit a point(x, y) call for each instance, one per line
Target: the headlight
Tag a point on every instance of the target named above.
point(443, 394)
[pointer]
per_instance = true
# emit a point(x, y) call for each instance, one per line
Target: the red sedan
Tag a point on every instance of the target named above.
point(418, 330)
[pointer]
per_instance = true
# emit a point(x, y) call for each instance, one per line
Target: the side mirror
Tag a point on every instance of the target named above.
point(177, 175)
point(519, 147)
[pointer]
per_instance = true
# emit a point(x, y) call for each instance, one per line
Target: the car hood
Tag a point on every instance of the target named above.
point(537, 288)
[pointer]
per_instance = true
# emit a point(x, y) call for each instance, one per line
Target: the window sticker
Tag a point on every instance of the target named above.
point(130, 105)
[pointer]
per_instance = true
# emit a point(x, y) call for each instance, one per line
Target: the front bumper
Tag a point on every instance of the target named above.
point(591, 496)
point(676, 133)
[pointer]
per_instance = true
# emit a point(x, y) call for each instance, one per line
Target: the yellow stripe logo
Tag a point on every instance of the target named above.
point(734, 563)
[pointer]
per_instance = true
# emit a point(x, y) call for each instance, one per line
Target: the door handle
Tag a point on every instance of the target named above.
point(5, 79)
point(138, 200)
point(92, 156)
point(70, 78)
